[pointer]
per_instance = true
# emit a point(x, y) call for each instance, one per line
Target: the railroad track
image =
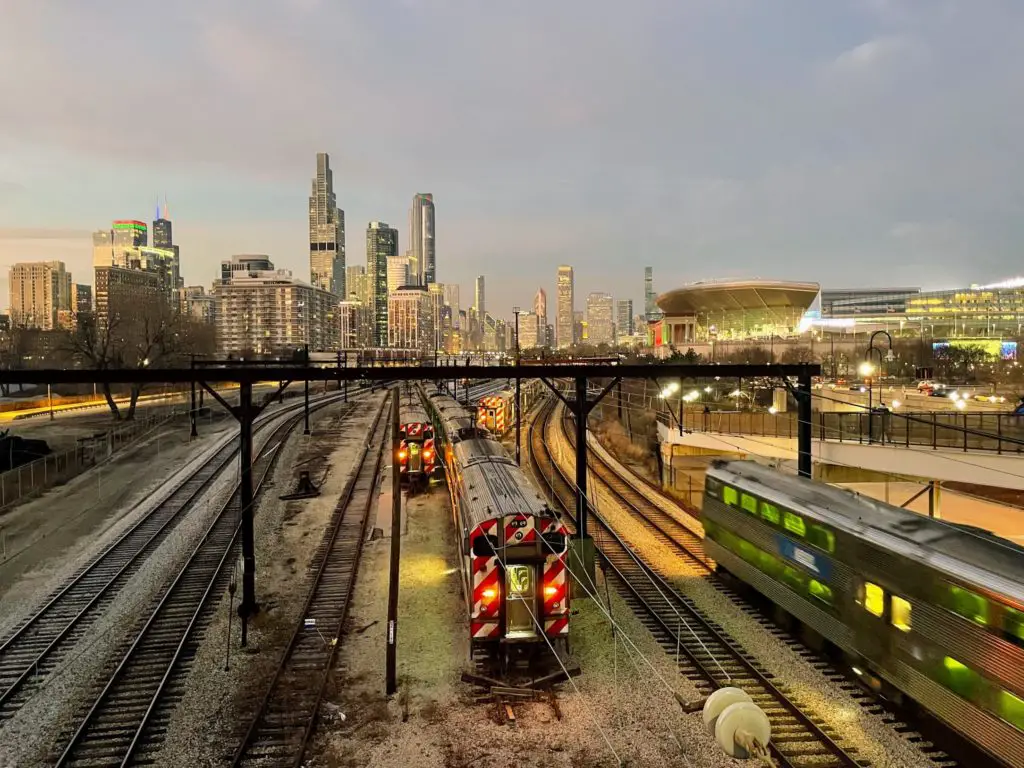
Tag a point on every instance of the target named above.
point(126, 722)
point(281, 730)
point(42, 641)
point(705, 653)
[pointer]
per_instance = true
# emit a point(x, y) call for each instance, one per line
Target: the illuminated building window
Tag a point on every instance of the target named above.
point(901, 613)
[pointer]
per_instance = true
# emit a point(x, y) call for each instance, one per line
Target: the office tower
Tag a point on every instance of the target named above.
point(650, 308)
point(356, 284)
point(479, 300)
point(129, 233)
point(410, 319)
point(121, 293)
point(451, 299)
point(244, 263)
point(162, 234)
point(81, 298)
point(40, 290)
point(529, 331)
point(103, 248)
point(565, 309)
point(398, 273)
point(381, 244)
point(437, 307)
point(540, 310)
point(600, 318)
point(624, 318)
point(195, 302)
point(270, 312)
point(326, 232)
point(421, 240)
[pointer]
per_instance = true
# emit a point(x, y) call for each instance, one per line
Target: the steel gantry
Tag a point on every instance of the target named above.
point(208, 374)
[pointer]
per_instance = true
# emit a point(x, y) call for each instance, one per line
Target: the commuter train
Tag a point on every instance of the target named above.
point(497, 413)
point(920, 608)
point(513, 546)
point(416, 452)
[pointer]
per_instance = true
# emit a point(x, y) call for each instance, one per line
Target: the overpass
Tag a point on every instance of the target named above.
point(975, 448)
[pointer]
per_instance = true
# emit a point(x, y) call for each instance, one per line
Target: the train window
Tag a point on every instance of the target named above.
point(793, 578)
point(1011, 709)
point(485, 546)
point(794, 523)
point(713, 487)
point(730, 496)
point(960, 678)
point(822, 537)
point(820, 591)
point(965, 603)
point(771, 513)
point(874, 599)
point(749, 503)
point(900, 613)
point(1013, 625)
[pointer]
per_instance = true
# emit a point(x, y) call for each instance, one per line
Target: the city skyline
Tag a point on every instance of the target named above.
point(850, 145)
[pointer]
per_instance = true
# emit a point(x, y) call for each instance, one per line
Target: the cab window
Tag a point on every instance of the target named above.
point(771, 513)
point(794, 523)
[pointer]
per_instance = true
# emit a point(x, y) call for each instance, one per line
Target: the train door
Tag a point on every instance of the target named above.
point(415, 458)
point(520, 601)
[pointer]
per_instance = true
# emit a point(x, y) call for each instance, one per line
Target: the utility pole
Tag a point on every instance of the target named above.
point(391, 684)
point(518, 395)
point(305, 429)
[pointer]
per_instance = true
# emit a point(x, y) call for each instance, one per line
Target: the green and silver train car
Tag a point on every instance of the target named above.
point(933, 610)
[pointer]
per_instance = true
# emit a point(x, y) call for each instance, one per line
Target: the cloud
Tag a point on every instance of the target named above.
point(878, 54)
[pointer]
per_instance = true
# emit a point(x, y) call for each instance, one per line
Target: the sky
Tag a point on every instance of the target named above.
point(847, 142)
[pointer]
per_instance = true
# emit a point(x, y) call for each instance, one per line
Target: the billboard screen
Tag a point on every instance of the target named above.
point(993, 348)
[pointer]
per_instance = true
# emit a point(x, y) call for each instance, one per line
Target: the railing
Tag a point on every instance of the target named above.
point(1001, 433)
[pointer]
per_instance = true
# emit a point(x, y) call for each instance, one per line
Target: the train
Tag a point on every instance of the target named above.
point(497, 413)
point(921, 609)
point(513, 546)
point(417, 458)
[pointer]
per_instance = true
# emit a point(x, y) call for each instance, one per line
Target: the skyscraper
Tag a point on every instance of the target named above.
point(451, 299)
point(479, 299)
point(624, 318)
point(398, 273)
point(162, 233)
point(600, 318)
point(40, 290)
point(649, 306)
point(355, 283)
point(540, 310)
point(565, 308)
point(326, 232)
point(381, 243)
point(421, 240)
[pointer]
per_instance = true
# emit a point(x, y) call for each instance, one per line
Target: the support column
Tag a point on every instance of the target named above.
point(803, 434)
point(248, 606)
point(193, 433)
point(305, 409)
point(519, 404)
point(391, 650)
point(581, 552)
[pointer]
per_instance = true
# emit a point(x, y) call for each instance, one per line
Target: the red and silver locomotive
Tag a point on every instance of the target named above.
point(513, 546)
point(416, 453)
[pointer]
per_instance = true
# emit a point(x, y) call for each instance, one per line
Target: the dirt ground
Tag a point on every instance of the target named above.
point(624, 695)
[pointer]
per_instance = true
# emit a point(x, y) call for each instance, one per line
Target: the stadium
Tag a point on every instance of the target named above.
point(732, 310)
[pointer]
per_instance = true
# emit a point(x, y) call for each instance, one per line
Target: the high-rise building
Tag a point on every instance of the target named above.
point(163, 236)
point(326, 232)
point(565, 308)
point(81, 298)
point(529, 331)
point(479, 299)
point(381, 244)
point(129, 233)
point(410, 319)
point(601, 318)
point(540, 310)
point(451, 299)
point(624, 318)
point(270, 312)
point(398, 273)
point(579, 327)
point(437, 306)
point(422, 269)
point(40, 291)
point(244, 263)
point(198, 304)
point(651, 311)
point(121, 293)
point(356, 284)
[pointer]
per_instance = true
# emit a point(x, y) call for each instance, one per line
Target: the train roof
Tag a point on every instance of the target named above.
point(495, 485)
point(960, 551)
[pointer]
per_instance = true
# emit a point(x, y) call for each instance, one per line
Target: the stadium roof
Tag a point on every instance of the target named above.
point(737, 295)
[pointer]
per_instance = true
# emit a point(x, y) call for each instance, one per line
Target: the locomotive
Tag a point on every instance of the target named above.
point(497, 413)
point(919, 607)
point(513, 546)
point(416, 453)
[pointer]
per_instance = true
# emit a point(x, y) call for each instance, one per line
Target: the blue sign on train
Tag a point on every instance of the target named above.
point(803, 556)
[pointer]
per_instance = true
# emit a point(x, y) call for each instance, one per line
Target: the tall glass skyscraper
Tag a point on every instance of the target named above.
point(422, 267)
point(564, 319)
point(326, 232)
point(381, 243)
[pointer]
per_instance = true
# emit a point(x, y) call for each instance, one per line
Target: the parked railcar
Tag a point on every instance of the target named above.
point(513, 546)
point(416, 450)
point(920, 607)
point(497, 413)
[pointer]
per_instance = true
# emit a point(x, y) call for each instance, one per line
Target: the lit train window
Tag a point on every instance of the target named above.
point(873, 599)
point(749, 503)
point(901, 613)
point(730, 496)
point(822, 537)
point(960, 678)
point(965, 603)
point(771, 513)
point(794, 523)
point(1011, 709)
point(1013, 625)
point(820, 591)
point(793, 578)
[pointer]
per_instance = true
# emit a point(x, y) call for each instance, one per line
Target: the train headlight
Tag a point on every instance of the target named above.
point(550, 591)
point(403, 454)
point(489, 594)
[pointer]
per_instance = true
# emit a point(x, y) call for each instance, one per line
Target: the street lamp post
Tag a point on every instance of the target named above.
point(867, 370)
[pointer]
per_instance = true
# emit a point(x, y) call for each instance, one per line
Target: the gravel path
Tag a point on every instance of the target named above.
point(877, 741)
point(207, 724)
point(433, 720)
